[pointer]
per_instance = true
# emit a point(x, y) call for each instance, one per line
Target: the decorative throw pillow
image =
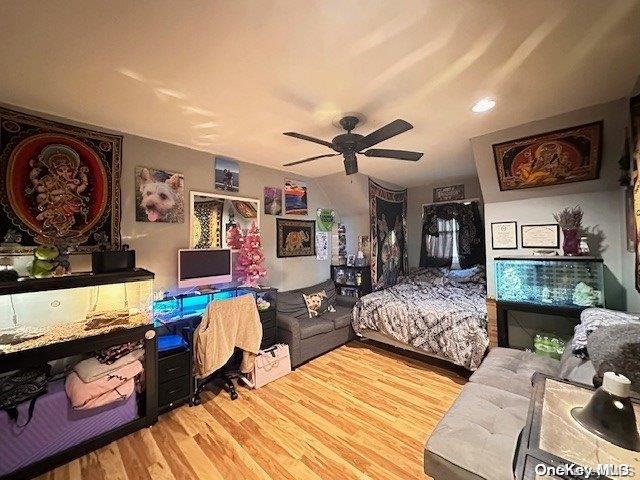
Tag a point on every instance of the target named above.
point(318, 303)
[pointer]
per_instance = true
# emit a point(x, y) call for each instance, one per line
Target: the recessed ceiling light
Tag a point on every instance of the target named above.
point(483, 105)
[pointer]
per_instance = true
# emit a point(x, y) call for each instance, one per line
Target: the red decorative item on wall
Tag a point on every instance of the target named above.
point(61, 185)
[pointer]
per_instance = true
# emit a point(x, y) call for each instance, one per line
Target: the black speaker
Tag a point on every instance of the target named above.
point(107, 261)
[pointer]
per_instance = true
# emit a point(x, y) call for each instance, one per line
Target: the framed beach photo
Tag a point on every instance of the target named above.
point(540, 236)
point(227, 174)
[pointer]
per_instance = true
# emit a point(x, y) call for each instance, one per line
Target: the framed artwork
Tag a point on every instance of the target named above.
point(159, 196)
point(448, 194)
point(540, 236)
point(562, 156)
point(295, 238)
point(295, 197)
point(272, 201)
point(504, 235)
point(227, 174)
point(60, 185)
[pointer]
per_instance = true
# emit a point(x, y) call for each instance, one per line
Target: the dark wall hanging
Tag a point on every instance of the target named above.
point(388, 223)
point(635, 147)
point(295, 238)
point(562, 156)
point(60, 185)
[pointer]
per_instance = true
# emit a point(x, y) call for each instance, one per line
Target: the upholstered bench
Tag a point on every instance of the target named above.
point(477, 437)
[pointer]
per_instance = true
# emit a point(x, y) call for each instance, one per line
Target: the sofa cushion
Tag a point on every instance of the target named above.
point(311, 327)
point(340, 318)
point(477, 437)
point(292, 302)
point(317, 303)
point(511, 370)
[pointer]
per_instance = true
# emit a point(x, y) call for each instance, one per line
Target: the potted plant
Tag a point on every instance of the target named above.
point(570, 221)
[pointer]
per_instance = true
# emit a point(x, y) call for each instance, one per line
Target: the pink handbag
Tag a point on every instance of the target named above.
point(271, 364)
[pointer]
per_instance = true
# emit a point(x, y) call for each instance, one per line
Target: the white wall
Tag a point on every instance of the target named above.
point(156, 244)
point(600, 199)
point(417, 196)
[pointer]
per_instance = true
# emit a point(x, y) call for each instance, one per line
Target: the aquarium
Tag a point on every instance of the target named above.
point(187, 305)
point(557, 281)
point(38, 312)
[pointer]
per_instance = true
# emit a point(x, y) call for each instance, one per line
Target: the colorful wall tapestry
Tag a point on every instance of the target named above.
point(207, 224)
point(295, 197)
point(61, 185)
point(296, 238)
point(563, 156)
point(388, 223)
point(635, 163)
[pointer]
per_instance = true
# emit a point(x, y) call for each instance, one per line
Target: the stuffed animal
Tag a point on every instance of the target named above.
point(44, 264)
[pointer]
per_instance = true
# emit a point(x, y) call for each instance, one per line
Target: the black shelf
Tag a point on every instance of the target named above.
point(87, 279)
point(365, 274)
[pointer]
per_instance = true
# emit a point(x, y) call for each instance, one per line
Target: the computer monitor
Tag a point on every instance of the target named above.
point(200, 267)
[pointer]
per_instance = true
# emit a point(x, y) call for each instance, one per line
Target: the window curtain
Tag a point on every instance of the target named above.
point(452, 236)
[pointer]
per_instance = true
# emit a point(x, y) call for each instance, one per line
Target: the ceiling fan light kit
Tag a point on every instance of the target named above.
point(349, 144)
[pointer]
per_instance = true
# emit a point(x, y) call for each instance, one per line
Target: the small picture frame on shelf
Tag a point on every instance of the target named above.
point(351, 260)
point(504, 235)
point(540, 236)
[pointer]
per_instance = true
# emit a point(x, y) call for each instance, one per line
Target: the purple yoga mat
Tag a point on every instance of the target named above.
point(56, 427)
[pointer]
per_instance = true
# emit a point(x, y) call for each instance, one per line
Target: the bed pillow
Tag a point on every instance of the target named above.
point(465, 275)
point(318, 303)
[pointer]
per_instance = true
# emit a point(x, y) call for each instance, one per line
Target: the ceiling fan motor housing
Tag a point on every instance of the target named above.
point(346, 142)
point(350, 163)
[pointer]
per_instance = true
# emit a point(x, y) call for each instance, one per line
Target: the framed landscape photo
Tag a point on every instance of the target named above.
point(562, 156)
point(504, 235)
point(295, 238)
point(540, 236)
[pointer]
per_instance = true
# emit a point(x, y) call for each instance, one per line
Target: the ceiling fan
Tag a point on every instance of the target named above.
point(349, 144)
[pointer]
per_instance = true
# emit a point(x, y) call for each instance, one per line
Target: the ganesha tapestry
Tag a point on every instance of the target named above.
point(563, 156)
point(388, 223)
point(60, 185)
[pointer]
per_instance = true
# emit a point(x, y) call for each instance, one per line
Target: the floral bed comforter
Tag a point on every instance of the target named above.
point(438, 310)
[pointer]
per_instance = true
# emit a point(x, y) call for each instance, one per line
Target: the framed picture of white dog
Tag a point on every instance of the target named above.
point(296, 238)
point(159, 196)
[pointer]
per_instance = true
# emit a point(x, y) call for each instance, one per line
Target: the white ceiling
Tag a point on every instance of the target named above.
point(229, 76)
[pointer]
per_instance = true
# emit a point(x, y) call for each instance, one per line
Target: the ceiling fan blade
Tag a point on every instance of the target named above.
point(308, 138)
point(390, 130)
point(397, 154)
point(310, 159)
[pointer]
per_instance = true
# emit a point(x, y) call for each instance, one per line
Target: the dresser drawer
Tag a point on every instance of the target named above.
point(173, 366)
point(173, 390)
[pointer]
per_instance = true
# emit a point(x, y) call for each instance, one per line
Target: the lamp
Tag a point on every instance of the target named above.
point(610, 414)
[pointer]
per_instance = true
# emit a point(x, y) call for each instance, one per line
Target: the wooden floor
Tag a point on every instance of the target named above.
point(357, 412)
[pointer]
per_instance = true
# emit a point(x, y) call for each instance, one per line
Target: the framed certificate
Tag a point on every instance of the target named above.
point(540, 236)
point(504, 235)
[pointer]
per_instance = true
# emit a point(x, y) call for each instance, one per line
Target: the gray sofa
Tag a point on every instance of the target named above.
point(476, 439)
point(309, 337)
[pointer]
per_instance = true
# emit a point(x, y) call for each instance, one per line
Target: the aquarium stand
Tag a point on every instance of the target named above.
point(503, 308)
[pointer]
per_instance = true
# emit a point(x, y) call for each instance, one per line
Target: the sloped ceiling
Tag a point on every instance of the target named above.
point(230, 76)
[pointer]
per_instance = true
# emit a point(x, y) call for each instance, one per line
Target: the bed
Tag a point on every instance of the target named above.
point(434, 311)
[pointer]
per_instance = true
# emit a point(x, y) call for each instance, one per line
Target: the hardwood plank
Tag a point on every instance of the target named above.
point(358, 412)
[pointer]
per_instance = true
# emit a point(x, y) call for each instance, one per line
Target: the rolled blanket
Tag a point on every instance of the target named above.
point(116, 385)
point(593, 318)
